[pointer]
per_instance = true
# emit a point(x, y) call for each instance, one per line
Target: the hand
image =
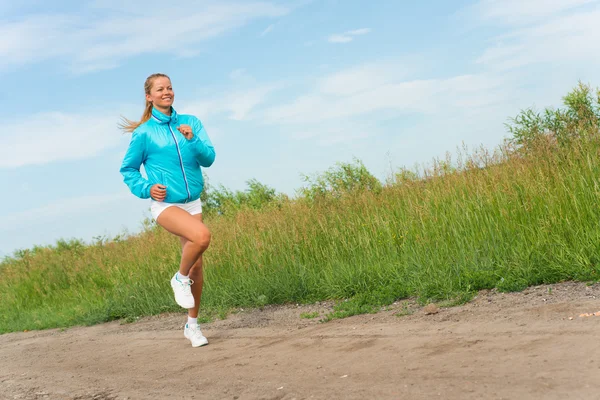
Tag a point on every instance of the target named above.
point(158, 192)
point(186, 131)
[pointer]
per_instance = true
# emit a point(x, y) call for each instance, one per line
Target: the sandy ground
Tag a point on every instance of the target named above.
point(499, 346)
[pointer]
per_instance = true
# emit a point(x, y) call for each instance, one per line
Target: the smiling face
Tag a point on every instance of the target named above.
point(161, 94)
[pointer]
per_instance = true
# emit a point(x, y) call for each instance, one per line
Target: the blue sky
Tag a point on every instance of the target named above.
point(284, 88)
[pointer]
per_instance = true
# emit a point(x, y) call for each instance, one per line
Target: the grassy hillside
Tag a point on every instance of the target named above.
point(527, 214)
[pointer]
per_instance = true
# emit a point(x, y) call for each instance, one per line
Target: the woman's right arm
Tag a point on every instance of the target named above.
point(130, 169)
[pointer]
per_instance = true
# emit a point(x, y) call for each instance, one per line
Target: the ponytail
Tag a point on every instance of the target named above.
point(128, 125)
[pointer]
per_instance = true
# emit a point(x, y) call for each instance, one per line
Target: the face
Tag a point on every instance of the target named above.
point(161, 93)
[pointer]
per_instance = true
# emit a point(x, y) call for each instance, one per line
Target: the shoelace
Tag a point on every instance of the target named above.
point(187, 286)
point(196, 330)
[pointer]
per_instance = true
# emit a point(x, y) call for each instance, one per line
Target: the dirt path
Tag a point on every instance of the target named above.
point(499, 346)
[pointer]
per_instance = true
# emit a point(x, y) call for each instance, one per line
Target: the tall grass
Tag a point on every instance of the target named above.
point(525, 214)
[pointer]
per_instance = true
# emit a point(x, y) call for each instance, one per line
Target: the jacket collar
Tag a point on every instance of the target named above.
point(161, 118)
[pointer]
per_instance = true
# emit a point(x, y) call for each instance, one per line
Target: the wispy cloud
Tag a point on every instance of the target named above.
point(347, 36)
point(56, 136)
point(355, 103)
point(107, 32)
point(70, 206)
point(362, 77)
point(267, 30)
point(335, 132)
point(519, 11)
point(567, 32)
point(362, 31)
point(361, 90)
point(236, 105)
point(239, 74)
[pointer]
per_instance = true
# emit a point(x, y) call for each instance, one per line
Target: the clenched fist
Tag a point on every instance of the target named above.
point(158, 192)
point(186, 131)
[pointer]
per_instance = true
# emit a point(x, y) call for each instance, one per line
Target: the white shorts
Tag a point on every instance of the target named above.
point(156, 207)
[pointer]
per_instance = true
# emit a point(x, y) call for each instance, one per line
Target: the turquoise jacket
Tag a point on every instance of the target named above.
point(168, 157)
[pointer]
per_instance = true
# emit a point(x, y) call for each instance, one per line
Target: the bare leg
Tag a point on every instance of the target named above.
point(197, 275)
point(179, 222)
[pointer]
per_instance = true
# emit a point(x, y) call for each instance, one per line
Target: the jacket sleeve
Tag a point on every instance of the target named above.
point(130, 169)
point(201, 145)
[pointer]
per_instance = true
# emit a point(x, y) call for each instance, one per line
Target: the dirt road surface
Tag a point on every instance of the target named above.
point(529, 345)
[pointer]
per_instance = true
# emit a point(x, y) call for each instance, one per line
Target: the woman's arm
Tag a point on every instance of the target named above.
point(130, 169)
point(203, 148)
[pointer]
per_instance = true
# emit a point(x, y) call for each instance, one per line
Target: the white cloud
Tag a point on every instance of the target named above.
point(237, 104)
point(359, 91)
point(335, 132)
point(242, 78)
point(70, 206)
point(362, 78)
point(363, 104)
point(362, 31)
point(55, 136)
point(267, 30)
point(524, 11)
point(107, 32)
point(347, 36)
point(566, 37)
point(34, 38)
point(340, 39)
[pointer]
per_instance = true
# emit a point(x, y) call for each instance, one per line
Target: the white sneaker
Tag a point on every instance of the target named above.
point(183, 291)
point(194, 334)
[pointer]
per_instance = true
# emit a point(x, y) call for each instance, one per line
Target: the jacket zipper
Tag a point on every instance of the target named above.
point(187, 188)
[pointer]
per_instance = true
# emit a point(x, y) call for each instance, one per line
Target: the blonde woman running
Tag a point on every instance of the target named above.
point(173, 148)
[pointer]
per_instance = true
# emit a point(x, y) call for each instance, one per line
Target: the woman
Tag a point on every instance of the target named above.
point(173, 148)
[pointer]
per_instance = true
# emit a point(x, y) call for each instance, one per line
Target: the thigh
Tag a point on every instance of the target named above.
point(184, 240)
point(181, 223)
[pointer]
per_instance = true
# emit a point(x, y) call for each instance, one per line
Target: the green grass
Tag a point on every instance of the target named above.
point(504, 220)
point(309, 315)
point(517, 223)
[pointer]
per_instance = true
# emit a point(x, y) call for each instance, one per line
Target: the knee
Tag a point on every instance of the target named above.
point(201, 239)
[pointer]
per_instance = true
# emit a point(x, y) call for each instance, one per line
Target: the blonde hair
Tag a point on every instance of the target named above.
point(128, 125)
